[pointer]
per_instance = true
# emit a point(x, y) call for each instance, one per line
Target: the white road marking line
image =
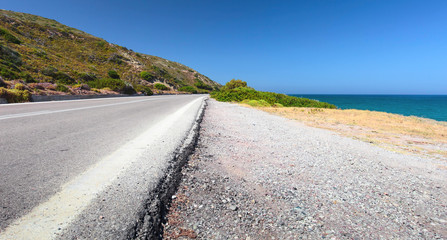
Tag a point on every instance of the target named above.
point(54, 215)
point(28, 114)
point(77, 100)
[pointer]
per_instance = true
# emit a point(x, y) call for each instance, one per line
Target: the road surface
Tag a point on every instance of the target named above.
point(83, 168)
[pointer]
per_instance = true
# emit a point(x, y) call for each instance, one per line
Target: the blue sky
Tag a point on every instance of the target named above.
point(315, 46)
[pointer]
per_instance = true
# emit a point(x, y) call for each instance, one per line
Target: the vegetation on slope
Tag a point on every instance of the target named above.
point(238, 91)
point(42, 54)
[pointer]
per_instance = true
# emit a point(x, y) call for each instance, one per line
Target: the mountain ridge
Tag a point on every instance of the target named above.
point(48, 57)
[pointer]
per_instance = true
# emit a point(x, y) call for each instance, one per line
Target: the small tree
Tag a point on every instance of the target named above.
point(235, 84)
point(146, 76)
point(160, 86)
point(188, 89)
point(113, 74)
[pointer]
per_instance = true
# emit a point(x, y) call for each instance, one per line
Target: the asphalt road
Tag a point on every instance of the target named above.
point(81, 169)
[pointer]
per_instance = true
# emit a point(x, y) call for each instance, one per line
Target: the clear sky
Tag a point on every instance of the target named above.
point(314, 46)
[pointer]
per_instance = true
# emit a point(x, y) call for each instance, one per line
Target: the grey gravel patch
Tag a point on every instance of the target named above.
point(259, 176)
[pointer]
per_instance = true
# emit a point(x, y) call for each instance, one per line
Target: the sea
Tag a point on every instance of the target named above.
point(426, 106)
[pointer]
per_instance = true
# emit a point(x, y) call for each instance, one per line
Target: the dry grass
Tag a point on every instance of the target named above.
point(396, 132)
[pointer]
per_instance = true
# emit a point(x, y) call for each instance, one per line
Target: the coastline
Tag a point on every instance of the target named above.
point(425, 106)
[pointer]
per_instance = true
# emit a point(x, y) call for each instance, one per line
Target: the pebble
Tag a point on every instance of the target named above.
point(290, 181)
point(233, 208)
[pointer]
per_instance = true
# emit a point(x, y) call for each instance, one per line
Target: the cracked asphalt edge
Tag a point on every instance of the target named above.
point(149, 224)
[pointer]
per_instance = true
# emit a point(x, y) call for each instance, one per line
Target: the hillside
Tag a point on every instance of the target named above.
point(47, 57)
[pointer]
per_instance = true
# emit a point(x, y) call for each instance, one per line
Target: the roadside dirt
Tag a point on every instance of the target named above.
point(258, 176)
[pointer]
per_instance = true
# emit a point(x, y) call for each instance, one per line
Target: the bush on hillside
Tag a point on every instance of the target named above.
point(101, 44)
point(10, 61)
point(189, 89)
point(19, 86)
point(49, 71)
point(27, 77)
point(8, 36)
point(14, 95)
point(85, 77)
point(113, 74)
point(10, 57)
point(144, 90)
point(63, 78)
point(111, 83)
point(146, 76)
point(57, 75)
point(202, 85)
point(8, 74)
point(62, 88)
point(239, 94)
point(160, 86)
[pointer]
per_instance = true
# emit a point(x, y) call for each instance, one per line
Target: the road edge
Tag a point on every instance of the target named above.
point(149, 224)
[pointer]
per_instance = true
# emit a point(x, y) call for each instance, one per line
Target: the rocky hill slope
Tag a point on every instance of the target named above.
point(43, 56)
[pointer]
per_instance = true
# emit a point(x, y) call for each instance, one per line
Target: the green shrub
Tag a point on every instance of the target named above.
point(146, 76)
point(85, 77)
point(57, 75)
point(202, 91)
point(101, 44)
point(14, 95)
point(8, 36)
point(111, 83)
point(8, 74)
point(49, 71)
point(27, 77)
point(229, 93)
point(279, 105)
point(188, 89)
point(202, 85)
point(144, 90)
point(63, 78)
point(19, 86)
point(160, 86)
point(113, 74)
point(256, 103)
point(62, 88)
point(40, 53)
point(234, 84)
point(10, 61)
point(10, 57)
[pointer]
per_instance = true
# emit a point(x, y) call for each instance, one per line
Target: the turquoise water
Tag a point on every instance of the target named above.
point(427, 106)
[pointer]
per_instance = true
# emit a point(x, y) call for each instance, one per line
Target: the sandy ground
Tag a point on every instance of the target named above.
point(410, 135)
point(260, 176)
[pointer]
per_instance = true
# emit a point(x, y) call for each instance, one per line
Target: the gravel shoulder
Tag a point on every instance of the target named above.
point(259, 176)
